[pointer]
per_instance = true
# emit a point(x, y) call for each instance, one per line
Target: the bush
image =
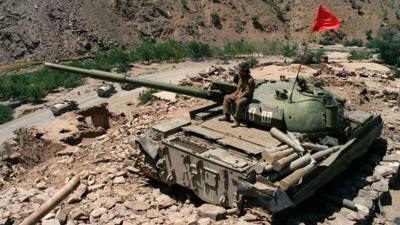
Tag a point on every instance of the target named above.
point(184, 4)
point(368, 33)
point(388, 45)
point(310, 56)
point(359, 55)
point(253, 62)
point(198, 50)
point(326, 41)
point(215, 20)
point(170, 51)
point(146, 96)
point(289, 50)
point(235, 49)
point(114, 58)
point(353, 42)
point(255, 18)
point(268, 47)
point(6, 114)
point(33, 87)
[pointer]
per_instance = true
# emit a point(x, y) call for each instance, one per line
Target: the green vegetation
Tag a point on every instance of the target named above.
point(279, 12)
point(185, 4)
point(6, 114)
point(268, 47)
point(309, 56)
point(398, 14)
point(353, 42)
point(359, 55)
point(368, 33)
point(289, 50)
point(355, 5)
point(146, 96)
point(326, 41)
point(253, 62)
point(215, 20)
point(34, 86)
point(255, 18)
point(388, 45)
point(198, 50)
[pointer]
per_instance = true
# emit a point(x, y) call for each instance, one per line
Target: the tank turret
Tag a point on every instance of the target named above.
point(311, 109)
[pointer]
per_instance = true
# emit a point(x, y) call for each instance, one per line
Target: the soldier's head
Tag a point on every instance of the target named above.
point(244, 70)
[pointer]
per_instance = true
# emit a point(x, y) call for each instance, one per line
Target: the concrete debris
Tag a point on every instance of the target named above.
point(212, 211)
point(114, 191)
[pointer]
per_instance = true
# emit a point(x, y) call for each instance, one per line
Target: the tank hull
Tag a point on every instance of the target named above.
point(219, 163)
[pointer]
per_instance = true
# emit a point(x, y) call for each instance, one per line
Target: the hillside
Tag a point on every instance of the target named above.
point(46, 29)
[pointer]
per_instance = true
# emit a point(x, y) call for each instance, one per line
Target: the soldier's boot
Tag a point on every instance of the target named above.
point(226, 117)
point(236, 123)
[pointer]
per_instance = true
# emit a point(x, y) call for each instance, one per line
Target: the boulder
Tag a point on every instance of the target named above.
point(212, 211)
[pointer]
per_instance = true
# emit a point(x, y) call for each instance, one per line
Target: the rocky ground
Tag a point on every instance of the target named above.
point(49, 29)
point(113, 191)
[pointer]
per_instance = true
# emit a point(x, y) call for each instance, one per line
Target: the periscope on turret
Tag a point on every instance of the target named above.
point(284, 152)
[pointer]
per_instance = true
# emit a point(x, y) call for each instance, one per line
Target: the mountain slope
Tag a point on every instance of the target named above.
point(45, 29)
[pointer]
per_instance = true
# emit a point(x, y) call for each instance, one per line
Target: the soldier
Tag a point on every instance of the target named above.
point(241, 97)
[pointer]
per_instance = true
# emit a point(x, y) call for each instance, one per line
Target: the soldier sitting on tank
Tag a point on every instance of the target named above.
point(241, 97)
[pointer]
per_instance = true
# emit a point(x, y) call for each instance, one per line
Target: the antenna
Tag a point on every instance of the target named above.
point(298, 72)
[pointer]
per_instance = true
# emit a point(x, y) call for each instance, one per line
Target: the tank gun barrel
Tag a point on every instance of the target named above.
point(213, 95)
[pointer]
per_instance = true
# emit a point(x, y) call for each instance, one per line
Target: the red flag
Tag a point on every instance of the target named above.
point(325, 20)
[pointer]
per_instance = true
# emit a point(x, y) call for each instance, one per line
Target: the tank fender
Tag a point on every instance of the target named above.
point(145, 145)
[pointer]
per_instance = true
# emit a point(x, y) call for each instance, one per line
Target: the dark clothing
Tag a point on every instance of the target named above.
point(241, 97)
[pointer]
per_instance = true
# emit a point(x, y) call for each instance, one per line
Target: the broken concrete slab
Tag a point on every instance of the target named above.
point(212, 211)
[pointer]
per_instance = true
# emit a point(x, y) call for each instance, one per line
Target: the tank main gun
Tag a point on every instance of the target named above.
point(312, 109)
point(214, 95)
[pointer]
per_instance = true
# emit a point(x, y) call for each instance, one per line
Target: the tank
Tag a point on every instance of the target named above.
point(290, 145)
point(63, 107)
point(106, 90)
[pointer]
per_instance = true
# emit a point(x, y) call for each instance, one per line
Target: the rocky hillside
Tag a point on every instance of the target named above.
point(45, 29)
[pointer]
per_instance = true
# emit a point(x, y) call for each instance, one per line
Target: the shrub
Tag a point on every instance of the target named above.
point(237, 48)
point(6, 114)
point(253, 62)
point(353, 42)
point(268, 47)
point(326, 41)
point(184, 4)
point(114, 58)
point(368, 33)
point(388, 45)
point(144, 52)
point(359, 55)
point(215, 20)
point(33, 87)
point(355, 5)
point(170, 51)
point(289, 50)
point(310, 56)
point(146, 96)
point(198, 50)
point(255, 18)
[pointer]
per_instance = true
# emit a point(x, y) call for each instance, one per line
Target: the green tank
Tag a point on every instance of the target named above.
point(287, 148)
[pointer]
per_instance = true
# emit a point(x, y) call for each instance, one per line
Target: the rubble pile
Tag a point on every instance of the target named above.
point(113, 191)
point(359, 197)
point(203, 79)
